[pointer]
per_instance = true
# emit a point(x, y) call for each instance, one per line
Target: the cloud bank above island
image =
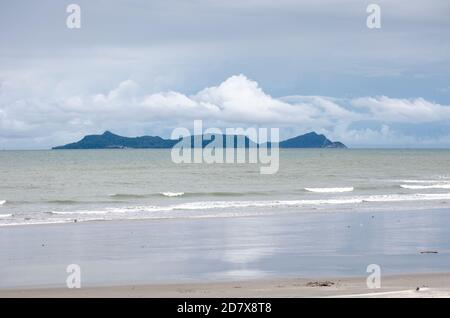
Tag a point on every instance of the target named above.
point(42, 120)
point(143, 67)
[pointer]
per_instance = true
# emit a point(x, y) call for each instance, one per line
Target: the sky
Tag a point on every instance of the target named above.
point(145, 67)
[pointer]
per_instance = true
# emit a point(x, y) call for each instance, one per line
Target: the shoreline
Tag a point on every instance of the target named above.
point(280, 213)
point(409, 286)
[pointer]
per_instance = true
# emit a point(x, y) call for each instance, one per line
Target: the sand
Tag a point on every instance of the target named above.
point(404, 286)
point(271, 256)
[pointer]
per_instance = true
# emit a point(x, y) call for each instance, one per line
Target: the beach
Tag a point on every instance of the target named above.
point(269, 256)
point(225, 149)
point(405, 286)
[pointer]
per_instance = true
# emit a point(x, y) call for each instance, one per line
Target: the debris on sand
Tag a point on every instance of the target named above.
point(326, 283)
point(428, 252)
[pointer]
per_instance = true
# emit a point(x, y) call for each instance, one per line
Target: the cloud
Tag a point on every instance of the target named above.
point(42, 118)
point(402, 110)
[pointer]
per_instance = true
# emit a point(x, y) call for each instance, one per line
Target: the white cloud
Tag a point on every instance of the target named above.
point(38, 119)
point(402, 110)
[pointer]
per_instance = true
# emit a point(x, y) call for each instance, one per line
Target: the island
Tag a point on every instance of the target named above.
point(109, 140)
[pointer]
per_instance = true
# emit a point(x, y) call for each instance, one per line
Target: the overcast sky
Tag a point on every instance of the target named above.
point(147, 66)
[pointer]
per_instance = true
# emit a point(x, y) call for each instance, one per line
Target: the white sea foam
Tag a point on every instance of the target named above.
point(208, 205)
point(131, 209)
point(5, 215)
point(420, 187)
point(209, 209)
point(172, 194)
point(2, 202)
point(81, 212)
point(330, 190)
point(408, 197)
point(422, 181)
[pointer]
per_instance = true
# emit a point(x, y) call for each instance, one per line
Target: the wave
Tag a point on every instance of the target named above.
point(206, 205)
point(2, 202)
point(184, 194)
point(134, 209)
point(244, 204)
point(80, 212)
point(185, 206)
point(226, 193)
point(209, 209)
point(420, 187)
point(408, 197)
point(330, 190)
point(422, 181)
point(211, 194)
point(172, 194)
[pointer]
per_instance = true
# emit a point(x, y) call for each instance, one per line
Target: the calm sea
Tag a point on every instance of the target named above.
point(89, 185)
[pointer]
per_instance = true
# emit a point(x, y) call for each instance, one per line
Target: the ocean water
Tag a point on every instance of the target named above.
point(42, 187)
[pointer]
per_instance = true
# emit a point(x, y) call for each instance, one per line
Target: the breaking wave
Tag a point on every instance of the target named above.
point(169, 194)
point(211, 209)
point(420, 187)
point(172, 194)
point(207, 205)
point(422, 181)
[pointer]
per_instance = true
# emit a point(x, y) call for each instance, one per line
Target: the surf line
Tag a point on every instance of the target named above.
point(236, 145)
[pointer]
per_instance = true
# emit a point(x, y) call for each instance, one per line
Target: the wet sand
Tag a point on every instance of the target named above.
point(405, 286)
point(274, 256)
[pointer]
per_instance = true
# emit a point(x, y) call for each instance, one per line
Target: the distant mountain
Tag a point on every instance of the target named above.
point(108, 140)
point(311, 140)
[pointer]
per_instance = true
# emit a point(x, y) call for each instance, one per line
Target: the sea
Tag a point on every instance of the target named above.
point(72, 186)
